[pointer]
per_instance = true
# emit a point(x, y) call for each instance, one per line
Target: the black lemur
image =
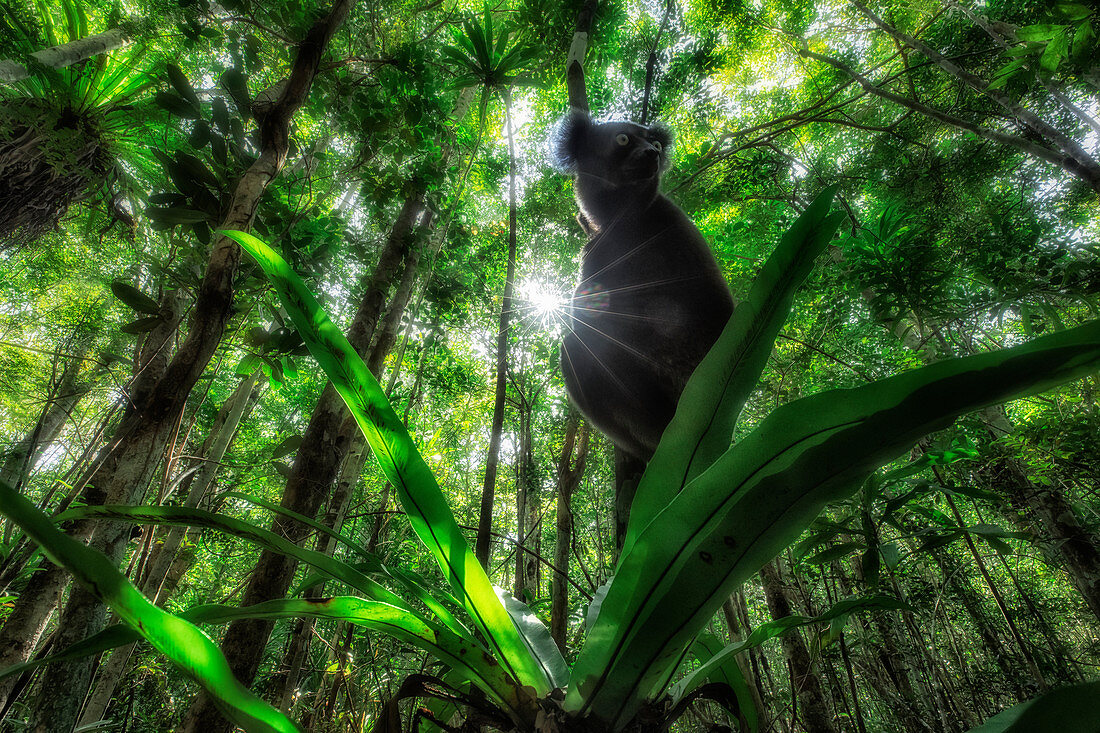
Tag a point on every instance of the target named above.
point(651, 300)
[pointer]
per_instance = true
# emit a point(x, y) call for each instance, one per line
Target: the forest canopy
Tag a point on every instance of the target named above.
point(285, 443)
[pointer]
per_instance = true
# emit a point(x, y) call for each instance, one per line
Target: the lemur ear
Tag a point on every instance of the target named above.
point(567, 141)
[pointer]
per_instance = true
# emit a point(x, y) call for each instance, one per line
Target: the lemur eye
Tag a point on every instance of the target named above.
point(622, 139)
point(656, 144)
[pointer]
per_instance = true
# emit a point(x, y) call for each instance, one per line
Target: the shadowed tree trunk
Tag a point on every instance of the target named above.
point(234, 410)
point(141, 437)
point(324, 444)
point(571, 465)
point(482, 544)
point(528, 502)
point(813, 705)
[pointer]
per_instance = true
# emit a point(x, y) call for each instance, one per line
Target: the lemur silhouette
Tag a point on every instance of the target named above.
point(651, 301)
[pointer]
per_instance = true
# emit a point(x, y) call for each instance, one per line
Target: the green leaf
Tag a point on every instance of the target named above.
point(834, 553)
point(179, 82)
point(1037, 33)
point(286, 446)
point(890, 555)
point(537, 638)
point(200, 135)
point(416, 487)
point(175, 215)
point(763, 492)
point(111, 637)
point(266, 539)
point(134, 298)
point(1055, 51)
point(185, 645)
point(972, 492)
point(1066, 710)
point(233, 81)
point(1074, 11)
point(702, 428)
point(141, 325)
point(176, 105)
point(1082, 42)
point(726, 671)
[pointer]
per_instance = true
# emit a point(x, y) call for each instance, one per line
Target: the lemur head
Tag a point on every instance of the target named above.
point(613, 162)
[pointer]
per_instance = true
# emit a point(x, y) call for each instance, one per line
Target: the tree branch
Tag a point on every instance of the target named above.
point(1087, 167)
point(1034, 149)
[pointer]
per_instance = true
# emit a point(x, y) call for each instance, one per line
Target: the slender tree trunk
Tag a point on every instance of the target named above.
point(1071, 545)
point(60, 403)
point(528, 501)
point(807, 685)
point(571, 464)
point(737, 633)
point(482, 544)
point(324, 444)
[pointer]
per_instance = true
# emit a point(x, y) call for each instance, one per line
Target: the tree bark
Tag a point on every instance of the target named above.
point(324, 444)
point(141, 437)
point(61, 401)
point(233, 411)
point(482, 544)
point(813, 704)
point(571, 464)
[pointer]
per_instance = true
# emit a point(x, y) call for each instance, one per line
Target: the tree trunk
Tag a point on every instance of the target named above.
point(528, 501)
point(324, 444)
point(233, 411)
point(60, 402)
point(571, 463)
point(482, 544)
point(813, 704)
point(1048, 514)
point(142, 436)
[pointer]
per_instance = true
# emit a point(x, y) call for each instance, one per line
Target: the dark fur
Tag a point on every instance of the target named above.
point(652, 300)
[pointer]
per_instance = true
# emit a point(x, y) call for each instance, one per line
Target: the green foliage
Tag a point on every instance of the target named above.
point(172, 636)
